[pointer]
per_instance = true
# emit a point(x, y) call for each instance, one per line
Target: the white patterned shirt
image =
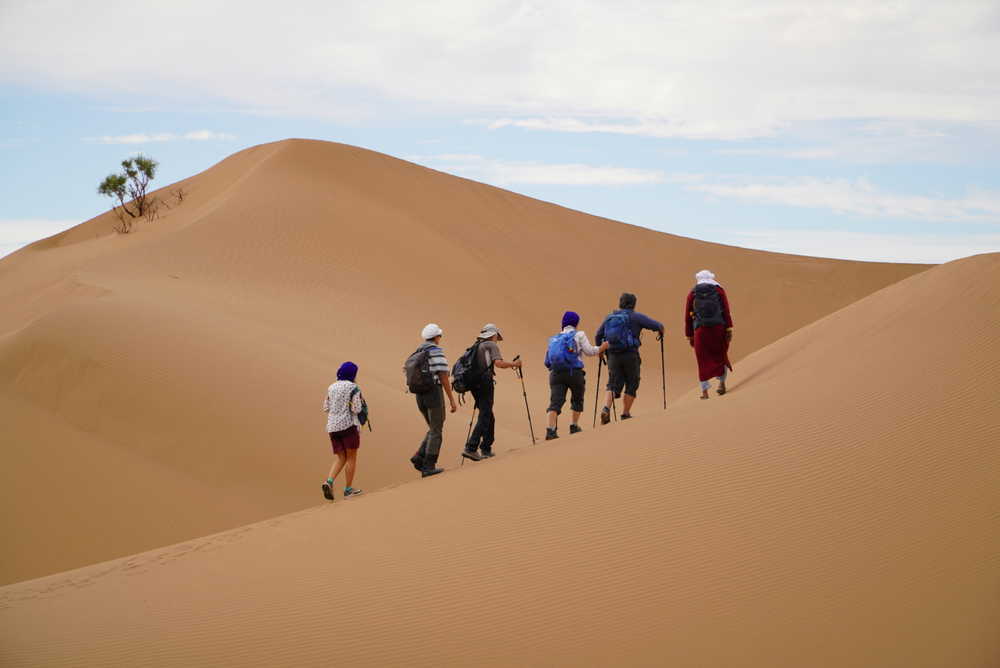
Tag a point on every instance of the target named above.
point(342, 410)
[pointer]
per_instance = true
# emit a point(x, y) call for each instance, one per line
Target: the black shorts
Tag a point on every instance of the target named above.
point(560, 382)
point(623, 372)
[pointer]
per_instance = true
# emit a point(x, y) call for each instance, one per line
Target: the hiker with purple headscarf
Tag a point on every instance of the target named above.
point(563, 358)
point(346, 412)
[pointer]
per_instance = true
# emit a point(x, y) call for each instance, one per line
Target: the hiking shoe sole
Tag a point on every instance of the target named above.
point(474, 456)
point(427, 474)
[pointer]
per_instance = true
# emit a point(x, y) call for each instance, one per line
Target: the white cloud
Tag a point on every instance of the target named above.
point(507, 173)
point(17, 233)
point(916, 248)
point(860, 197)
point(679, 69)
point(143, 138)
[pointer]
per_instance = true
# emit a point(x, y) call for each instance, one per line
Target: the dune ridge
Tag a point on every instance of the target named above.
point(837, 507)
point(167, 384)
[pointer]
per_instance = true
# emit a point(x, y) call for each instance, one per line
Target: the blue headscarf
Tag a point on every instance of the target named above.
point(347, 371)
point(570, 318)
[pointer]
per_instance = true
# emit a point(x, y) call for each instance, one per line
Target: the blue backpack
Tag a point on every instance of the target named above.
point(618, 332)
point(562, 354)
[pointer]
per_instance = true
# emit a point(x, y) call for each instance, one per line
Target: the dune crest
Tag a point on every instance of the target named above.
point(167, 384)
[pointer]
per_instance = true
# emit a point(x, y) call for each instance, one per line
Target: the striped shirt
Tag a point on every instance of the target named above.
point(435, 359)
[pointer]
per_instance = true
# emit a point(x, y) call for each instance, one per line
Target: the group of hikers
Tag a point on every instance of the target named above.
point(708, 325)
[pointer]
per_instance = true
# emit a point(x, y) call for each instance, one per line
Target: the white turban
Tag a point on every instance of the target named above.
point(705, 276)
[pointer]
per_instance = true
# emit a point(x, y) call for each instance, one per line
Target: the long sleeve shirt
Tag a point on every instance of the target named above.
point(342, 409)
point(689, 311)
point(638, 323)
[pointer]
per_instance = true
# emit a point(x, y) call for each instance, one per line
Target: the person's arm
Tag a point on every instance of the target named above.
point(446, 384)
point(356, 402)
point(585, 346)
point(646, 322)
point(689, 318)
point(499, 363)
point(326, 402)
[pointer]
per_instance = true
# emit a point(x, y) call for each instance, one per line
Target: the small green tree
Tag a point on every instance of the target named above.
point(130, 187)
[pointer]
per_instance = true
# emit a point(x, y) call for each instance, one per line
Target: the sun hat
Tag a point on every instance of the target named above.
point(488, 330)
point(431, 331)
point(347, 371)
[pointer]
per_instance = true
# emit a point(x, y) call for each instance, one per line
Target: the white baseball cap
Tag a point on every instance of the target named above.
point(431, 331)
point(489, 329)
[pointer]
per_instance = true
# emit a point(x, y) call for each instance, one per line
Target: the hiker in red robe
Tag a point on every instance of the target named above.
point(708, 325)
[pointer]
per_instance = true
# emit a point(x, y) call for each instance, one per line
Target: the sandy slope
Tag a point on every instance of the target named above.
point(838, 508)
point(166, 384)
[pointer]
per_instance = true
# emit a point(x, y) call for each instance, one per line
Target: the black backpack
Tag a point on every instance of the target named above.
point(468, 372)
point(417, 368)
point(707, 306)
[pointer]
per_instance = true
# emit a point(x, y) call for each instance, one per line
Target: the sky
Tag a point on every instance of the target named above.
point(859, 130)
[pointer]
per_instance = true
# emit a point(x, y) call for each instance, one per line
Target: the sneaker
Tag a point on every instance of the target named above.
point(550, 434)
point(575, 429)
point(605, 416)
point(418, 462)
point(327, 491)
point(352, 491)
point(626, 416)
point(429, 472)
point(486, 452)
point(471, 454)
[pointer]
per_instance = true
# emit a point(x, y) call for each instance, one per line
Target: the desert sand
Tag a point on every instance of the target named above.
point(838, 507)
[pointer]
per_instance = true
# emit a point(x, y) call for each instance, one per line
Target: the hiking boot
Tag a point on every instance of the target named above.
point(550, 434)
point(486, 452)
point(418, 462)
point(605, 416)
point(351, 491)
point(575, 429)
point(470, 453)
point(430, 467)
point(327, 491)
point(626, 416)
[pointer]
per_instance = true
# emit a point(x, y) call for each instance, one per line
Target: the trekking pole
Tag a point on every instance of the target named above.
point(369, 421)
point(520, 374)
point(597, 393)
point(663, 371)
point(614, 407)
point(469, 436)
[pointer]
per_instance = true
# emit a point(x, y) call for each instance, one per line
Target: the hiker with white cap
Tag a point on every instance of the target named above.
point(427, 377)
point(708, 325)
point(484, 355)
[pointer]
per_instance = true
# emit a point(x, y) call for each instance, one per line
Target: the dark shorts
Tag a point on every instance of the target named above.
point(561, 382)
point(623, 372)
point(348, 439)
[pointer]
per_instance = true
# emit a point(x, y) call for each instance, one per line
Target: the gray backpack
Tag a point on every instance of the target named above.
point(417, 368)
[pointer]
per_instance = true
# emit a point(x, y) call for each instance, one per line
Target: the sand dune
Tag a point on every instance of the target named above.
point(167, 384)
point(838, 507)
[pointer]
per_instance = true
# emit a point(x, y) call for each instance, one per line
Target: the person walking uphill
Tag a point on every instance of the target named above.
point(563, 359)
point(346, 412)
point(487, 356)
point(622, 330)
point(427, 377)
point(708, 325)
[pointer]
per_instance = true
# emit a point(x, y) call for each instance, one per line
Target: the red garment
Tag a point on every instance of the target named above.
point(710, 345)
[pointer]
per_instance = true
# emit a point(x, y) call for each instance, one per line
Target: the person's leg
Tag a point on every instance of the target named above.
point(351, 467)
point(631, 369)
point(557, 397)
point(577, 387)
point(418, 458)
point(489, 431)
point(616, 381)
point(722, 380)
point(338, 465)
point(704, 389)
point(435, 420)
